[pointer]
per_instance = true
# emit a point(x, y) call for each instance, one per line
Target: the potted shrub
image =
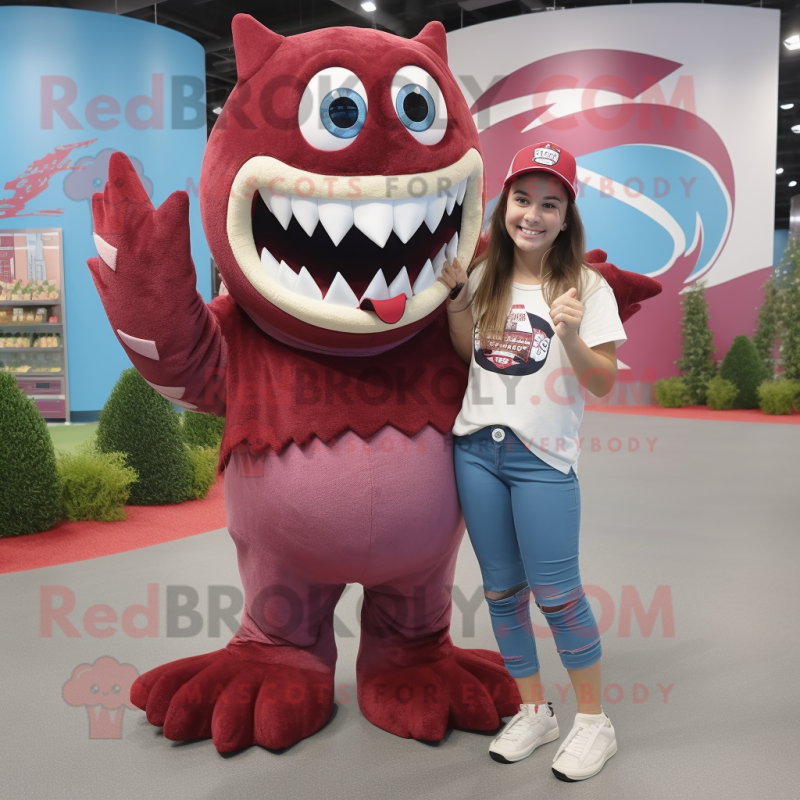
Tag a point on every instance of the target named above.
point(138, 421)
point(202, 430)
point(29, 499)
point(781, 396)
point(721, 394)
point(697, 347)
point(673, 393)
point(744, 368)
point(94, 485)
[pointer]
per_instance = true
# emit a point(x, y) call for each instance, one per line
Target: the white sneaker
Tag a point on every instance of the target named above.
point(532, 726)
point(588, 746)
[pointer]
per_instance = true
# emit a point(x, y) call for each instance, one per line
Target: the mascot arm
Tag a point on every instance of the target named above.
point(147, 284)
point(630, 288)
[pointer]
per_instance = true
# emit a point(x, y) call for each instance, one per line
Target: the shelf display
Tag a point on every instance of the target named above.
point(39, 341)
point(19, 316)
point(29, 291)
point(32, 317)
point(29, 360)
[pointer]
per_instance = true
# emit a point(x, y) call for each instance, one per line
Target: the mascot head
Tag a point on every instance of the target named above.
point(342, 171)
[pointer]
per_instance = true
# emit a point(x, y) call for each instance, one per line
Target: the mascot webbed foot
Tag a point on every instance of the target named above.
point(235, 700)
point(465, 689)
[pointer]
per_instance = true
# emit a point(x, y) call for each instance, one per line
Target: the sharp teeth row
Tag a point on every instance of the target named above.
point(340, 293)
point(376, 219)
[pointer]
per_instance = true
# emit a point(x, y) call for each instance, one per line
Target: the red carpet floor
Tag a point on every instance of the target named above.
point(146, 525)
point(702, 412)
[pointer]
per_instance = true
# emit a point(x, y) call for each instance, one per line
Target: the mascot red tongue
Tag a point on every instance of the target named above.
point(342, 172)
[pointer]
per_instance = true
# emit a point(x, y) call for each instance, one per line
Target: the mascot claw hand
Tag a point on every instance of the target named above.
point(330, 204)
point(146, 280)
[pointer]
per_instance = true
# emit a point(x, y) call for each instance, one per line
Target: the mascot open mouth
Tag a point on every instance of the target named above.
point(353, 253)
point(345, 240)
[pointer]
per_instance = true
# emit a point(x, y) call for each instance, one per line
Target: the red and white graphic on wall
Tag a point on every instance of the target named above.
point(668, 185)
point(35, 179)
point(523, 347)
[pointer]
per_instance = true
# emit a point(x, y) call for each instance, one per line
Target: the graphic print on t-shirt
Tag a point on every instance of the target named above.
point(523, 348)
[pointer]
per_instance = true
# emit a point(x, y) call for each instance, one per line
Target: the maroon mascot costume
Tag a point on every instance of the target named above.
point(343, 170)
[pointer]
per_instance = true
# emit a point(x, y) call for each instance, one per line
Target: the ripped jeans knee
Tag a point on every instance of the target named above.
point(574, 628)
point(511, 622)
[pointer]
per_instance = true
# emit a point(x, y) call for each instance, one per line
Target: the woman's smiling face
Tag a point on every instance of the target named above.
point(536, 210)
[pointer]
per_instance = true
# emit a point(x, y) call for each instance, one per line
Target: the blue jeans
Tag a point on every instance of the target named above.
point(523, 518)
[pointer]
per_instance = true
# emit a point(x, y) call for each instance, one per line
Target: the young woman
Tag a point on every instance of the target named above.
point(538, 328)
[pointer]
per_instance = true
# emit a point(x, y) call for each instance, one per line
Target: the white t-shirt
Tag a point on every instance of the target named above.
point(526, 382)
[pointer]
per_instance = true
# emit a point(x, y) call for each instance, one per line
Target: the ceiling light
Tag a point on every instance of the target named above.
point(779, 171)
point(792, 183)
point(372, 7)
point(793, 42)
point(787, 106)
point(217, 110)
point(796, 128)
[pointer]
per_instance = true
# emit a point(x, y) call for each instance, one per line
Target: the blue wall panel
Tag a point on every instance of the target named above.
point(65, 74)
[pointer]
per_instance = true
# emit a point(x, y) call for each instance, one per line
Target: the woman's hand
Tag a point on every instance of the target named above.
point(452, 275)
point(461, 333)
point(566, 313)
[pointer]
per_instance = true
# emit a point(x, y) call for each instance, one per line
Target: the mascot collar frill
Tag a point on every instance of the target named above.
point(337, 191)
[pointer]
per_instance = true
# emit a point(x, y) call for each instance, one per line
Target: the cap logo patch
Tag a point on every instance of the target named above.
point(546, 156)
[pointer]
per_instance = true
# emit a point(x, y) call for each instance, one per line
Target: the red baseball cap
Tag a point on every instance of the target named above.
point(545, 157)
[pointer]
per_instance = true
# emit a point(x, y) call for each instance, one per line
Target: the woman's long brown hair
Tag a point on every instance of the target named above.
point(562, 267)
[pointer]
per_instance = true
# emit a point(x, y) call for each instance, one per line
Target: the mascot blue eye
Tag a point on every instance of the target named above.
point(330, 120)
point(343, 113)
point(415, 107)
point(419, 104)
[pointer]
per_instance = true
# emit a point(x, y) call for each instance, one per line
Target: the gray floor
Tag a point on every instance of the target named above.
point(710, 513)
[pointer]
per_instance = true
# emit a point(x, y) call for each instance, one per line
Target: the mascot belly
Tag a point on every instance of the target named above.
point(343, 171)
point(396, 518)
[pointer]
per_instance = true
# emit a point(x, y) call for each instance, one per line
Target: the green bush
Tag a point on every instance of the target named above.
point(94, 485)
point(790, 344)
point(697, 347)
point(743, 367)
point(787, 282)
point(721, 394)
point(769, 320)
point(779, 397)
point(204, 469)
point(673, 393)
point(29, 496)
point(202, 430)
point(138, 421)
